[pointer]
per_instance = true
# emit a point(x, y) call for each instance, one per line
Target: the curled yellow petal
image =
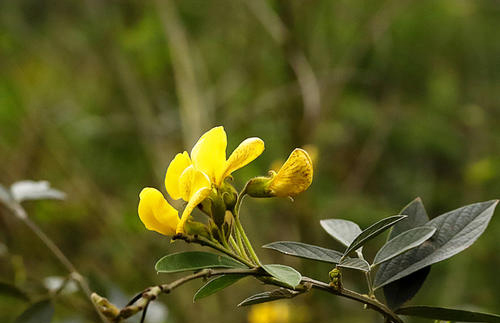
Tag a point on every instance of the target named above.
point(246, 152)
point(196, 199)
point(191, 181)
point(209, 153)
point(155, 212)
point(174, 171)
point(295, 175)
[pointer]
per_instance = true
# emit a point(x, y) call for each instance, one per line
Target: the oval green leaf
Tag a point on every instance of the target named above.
point(304, 250)
point(355, 263)
point(215, 285)
point(287, 275)
point(448, 314)
point(373, 231)
point(269, 296)
point(194, 260)
point(343, 231)
point(405, 241)
point(39, 312)
point(402, 290)
point(456, 231)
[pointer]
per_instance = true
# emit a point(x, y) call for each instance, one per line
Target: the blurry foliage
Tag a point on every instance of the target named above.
point(89, 100)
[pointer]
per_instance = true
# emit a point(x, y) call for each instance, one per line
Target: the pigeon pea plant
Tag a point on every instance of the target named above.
point(203, 180)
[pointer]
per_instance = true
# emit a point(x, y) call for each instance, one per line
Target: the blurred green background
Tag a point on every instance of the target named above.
point(399, 99)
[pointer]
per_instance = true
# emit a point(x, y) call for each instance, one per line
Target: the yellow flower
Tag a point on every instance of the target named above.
point(275, 312)
point(192, 178)
point(294, 177)
point(156, 213)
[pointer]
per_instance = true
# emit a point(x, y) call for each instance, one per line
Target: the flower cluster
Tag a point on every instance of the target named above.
point(201, 180)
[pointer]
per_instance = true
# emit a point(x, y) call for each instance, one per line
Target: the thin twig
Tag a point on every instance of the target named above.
point(306, 284)
point(21, 214)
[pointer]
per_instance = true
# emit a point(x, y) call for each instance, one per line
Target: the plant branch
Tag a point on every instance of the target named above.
point(21, 214)
point(152, 293)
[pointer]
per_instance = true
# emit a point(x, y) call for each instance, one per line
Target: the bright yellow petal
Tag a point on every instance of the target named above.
point(247, 151)
point(295, 175)
point(156, 213)
point(191, 181)
point(209, 153)
point(174, 171)
point(196, 199)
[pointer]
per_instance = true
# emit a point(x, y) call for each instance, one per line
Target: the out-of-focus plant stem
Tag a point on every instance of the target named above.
point(21, 214)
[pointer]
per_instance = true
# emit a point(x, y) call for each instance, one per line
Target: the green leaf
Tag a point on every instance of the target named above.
point(372, 231)
point(12, 291)
point(303, 250)
point(402, 290)
point(31, 190)
point(269, 296)
point(40, 312)
point(215, 285)
point(284, 274)
point(448, 314)
point(456, 230)
point(355, 263)
point(405, 241)
point(194, 260)
point(343, 231)
point(416, 217)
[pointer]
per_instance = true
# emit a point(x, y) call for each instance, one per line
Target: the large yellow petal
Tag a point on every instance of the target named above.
point(295, 175)
point(191, 181)
point(209, 153)
point(196, 199)
point(156, 213)
point(246, 152)
point(174, 171)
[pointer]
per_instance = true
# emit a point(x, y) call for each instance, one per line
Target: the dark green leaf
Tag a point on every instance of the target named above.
point(12, 291)
point(372, 231)
point(447, 314)
point(405, 241)
point(343, 231)
point(194, 260)
point(31, 190)
point(456, 230)
point(284, 274)
point(40, 312)
point(355, 263)
point(269, 296)
point(215, 285)
point(417, 216)
point(402, 290)
point(303, 250)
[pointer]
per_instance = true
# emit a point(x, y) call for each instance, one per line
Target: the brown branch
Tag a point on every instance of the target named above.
point(152, 293)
